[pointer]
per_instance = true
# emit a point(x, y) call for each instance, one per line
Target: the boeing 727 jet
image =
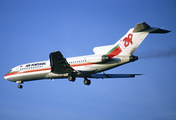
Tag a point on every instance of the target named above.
point(88, 66)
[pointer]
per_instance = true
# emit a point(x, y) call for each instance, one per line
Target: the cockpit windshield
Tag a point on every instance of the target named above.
point(10, 71)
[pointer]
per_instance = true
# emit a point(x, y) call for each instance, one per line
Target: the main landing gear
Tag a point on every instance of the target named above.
point(87, 82)
point(73, 78)
point(20, 86)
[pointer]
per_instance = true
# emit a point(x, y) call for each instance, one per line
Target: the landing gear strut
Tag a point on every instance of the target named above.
point(87, 82)
point(19, 82)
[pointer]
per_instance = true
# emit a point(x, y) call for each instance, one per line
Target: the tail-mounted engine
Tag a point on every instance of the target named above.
point(97, 58)
point(133, 58)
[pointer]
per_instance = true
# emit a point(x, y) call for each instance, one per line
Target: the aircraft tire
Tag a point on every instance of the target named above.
point(20, 86)
point(87, 82)
point(71, 78)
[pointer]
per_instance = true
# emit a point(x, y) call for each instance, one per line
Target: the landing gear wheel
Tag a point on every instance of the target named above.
point(71, 78)
point(87, 82)
point(20, 86)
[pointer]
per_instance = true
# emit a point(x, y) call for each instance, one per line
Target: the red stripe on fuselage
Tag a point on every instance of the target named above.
point(12, 73)
point(28, 71)
point(81, 64)
point(37, 70)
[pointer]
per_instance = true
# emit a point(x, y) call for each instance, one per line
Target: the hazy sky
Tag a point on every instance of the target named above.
point(31, 29)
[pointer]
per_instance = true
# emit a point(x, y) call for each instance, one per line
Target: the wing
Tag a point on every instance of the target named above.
point(59, 64)
point(113, 75)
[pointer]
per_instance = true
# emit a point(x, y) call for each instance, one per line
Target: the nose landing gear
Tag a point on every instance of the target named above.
point(20, 86)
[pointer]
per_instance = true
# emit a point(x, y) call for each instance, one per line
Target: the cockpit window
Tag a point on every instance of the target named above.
point(10, 71)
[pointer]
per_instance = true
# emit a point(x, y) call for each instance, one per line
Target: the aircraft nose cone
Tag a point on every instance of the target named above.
point(5, 76)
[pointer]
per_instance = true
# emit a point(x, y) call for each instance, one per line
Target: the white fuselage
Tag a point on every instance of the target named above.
point(42, 69)
point(104, 58)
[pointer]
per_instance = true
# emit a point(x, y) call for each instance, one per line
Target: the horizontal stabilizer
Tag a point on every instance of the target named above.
point(160, 31)
point(113, 75)
point(144, 27)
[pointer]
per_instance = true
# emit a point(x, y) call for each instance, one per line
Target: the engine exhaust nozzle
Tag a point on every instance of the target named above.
point(133, 58)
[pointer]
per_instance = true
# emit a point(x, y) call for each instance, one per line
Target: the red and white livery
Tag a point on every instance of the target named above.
point(88, 66)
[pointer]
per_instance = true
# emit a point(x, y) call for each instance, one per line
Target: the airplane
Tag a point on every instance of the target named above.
point(88, 66)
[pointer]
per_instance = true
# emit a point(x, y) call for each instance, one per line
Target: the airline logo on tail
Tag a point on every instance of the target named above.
point(123, 44)
point(126, 41)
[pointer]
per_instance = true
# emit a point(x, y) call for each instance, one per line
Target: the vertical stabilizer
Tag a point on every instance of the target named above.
point(132, 39)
